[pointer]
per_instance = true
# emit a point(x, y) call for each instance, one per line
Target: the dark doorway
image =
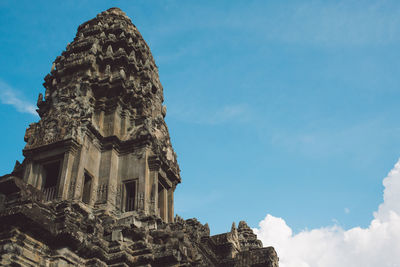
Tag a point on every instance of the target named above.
point(87, 188)
point(130, 193)
point(51, 174)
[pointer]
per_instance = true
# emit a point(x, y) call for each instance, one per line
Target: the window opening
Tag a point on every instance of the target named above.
point(130, 192)
point(87, 188)
point(51, 174)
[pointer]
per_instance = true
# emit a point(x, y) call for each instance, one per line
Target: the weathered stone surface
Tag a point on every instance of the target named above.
point(96, 186)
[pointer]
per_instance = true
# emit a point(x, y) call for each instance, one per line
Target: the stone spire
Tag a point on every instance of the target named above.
point(105, 89)
point(108, 66)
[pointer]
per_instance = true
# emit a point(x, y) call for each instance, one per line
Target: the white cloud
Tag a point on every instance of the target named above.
point(376, 245)
point(10, 96)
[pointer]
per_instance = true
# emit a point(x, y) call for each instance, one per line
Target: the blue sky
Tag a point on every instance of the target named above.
point(288, 109)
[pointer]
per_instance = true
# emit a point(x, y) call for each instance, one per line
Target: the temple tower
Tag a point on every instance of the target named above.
point(96, 187)
point(101, 138)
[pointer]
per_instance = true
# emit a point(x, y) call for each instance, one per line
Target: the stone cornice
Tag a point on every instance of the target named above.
point(66, 145)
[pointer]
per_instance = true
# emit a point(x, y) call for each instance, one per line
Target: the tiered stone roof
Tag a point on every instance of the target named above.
point(107, 66)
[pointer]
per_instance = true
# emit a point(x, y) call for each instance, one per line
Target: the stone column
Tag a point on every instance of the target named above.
point(153, 180)
point(113, 181)
point(163, 203)
point(33, 174)
point(144, 186)
point(37, 175)
point(171, 204)
point(123, 124)
point(104, 177)
point(99, 119)
point(154, 167)
point(116, 123)
point(65, 175)
point(80, 173)
point(28, 174)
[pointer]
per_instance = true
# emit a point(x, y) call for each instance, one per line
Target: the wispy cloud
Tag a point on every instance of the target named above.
point(229, 113)
point(376, 245)
point(315, 139)
point(340, 23)
point(332, 23)
point(225, 114)
point(11, 96)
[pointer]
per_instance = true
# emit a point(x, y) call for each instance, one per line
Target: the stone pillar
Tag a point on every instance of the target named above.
point(116, 122)
point(163, 203)
point(80, 173)
point(112, 123)
point(144, 185)
point(37, 175)
point(113, 181)
point(99, 119)
point(65, 175)
point(33, 174)
point(123, 124)
point(171, 204)
point(28, 173)
point(154, 166)
point(152, 187)
point(104, 176)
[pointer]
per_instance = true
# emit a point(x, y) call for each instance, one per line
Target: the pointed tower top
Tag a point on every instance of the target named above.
point(103, 95)
point(107, 65)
